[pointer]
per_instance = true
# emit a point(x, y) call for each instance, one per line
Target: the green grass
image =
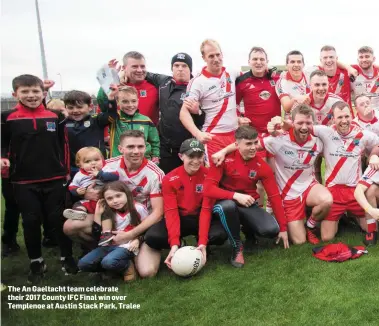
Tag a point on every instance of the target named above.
point(275, 287)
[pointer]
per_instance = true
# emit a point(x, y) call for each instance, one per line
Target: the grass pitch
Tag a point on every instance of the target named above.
point(275, 287)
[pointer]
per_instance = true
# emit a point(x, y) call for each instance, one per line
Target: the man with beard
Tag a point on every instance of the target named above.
point(367, 81)
point(233, 183)
point(344, 144)
point(295, 153)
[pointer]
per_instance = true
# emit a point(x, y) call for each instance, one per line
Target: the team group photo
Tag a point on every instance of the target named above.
point(202, 190)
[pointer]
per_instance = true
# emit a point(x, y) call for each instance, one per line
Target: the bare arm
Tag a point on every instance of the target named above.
point(154, 217)
point(187, 121)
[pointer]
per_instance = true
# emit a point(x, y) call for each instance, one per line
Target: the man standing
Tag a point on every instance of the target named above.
point(233, 183)
point(172, 91)
point(256, 88)
point(187, 211)
point(134, 69)
point(144, 179)
point(292, 87)
point(214, 91)
point(339, 80)
point(367, 81)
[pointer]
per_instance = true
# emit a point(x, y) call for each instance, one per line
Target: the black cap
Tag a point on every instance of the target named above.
point(190, 146)
point(182, 57)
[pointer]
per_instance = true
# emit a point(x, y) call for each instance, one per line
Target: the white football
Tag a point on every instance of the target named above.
point(187, 261)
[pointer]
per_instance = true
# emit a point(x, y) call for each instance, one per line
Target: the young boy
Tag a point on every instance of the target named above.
point(35, 139)
point(84, 129)
point(130, 119)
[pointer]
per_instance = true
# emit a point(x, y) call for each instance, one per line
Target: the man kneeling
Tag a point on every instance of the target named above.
point(183, 200)
point(234, 183)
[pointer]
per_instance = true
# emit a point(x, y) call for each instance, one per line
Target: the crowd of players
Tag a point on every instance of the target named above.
point(171, 156)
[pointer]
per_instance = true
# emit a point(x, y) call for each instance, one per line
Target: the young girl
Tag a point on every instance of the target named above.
point(117, 206)
point(90, 161)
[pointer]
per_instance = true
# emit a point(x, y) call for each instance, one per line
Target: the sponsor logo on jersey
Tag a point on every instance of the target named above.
point(174, 178)
point(340, 82)
point(288, 153)
point(143, 93)
point(252, 174)
point(50, 126)
point(264, 95)
point(212, 87)
point(199, 188)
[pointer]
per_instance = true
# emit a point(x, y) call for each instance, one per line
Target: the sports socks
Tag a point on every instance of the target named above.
point(311, 223)
point(371, 225)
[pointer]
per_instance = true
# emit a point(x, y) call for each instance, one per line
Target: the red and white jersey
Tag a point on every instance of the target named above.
point(343, 153)
point(217, 98)
point(339, 84)
point(81, 180)
point(122, 220)
point(146, 183)
point(324, 114)
point(369, 177)
point(294, 162)
point(372, 125)
point(364, 84)
point(286, 86)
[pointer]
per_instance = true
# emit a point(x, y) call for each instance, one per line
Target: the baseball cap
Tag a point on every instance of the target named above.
point(190, 146)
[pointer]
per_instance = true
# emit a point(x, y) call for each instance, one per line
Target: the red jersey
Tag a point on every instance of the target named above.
point(147, 100)
point(183, 196)
point(237, 175)
point(260, 99)
point(339, 84)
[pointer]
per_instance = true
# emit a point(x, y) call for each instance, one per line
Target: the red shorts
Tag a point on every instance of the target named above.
point(218, 142)
point(295, 209)
point(90, 205)
point(343, 201)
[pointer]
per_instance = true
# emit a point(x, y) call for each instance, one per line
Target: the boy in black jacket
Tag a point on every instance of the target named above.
point(36, 140)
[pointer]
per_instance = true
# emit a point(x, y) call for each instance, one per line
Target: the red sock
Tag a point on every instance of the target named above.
point(311, 223)
point(371, 225)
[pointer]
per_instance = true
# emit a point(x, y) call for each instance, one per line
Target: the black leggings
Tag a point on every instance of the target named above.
point(254, 219)
point(38, 201)
point(11, 214)
point(156, 237)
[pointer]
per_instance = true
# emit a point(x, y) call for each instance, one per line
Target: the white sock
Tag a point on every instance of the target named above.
point(40, 259)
